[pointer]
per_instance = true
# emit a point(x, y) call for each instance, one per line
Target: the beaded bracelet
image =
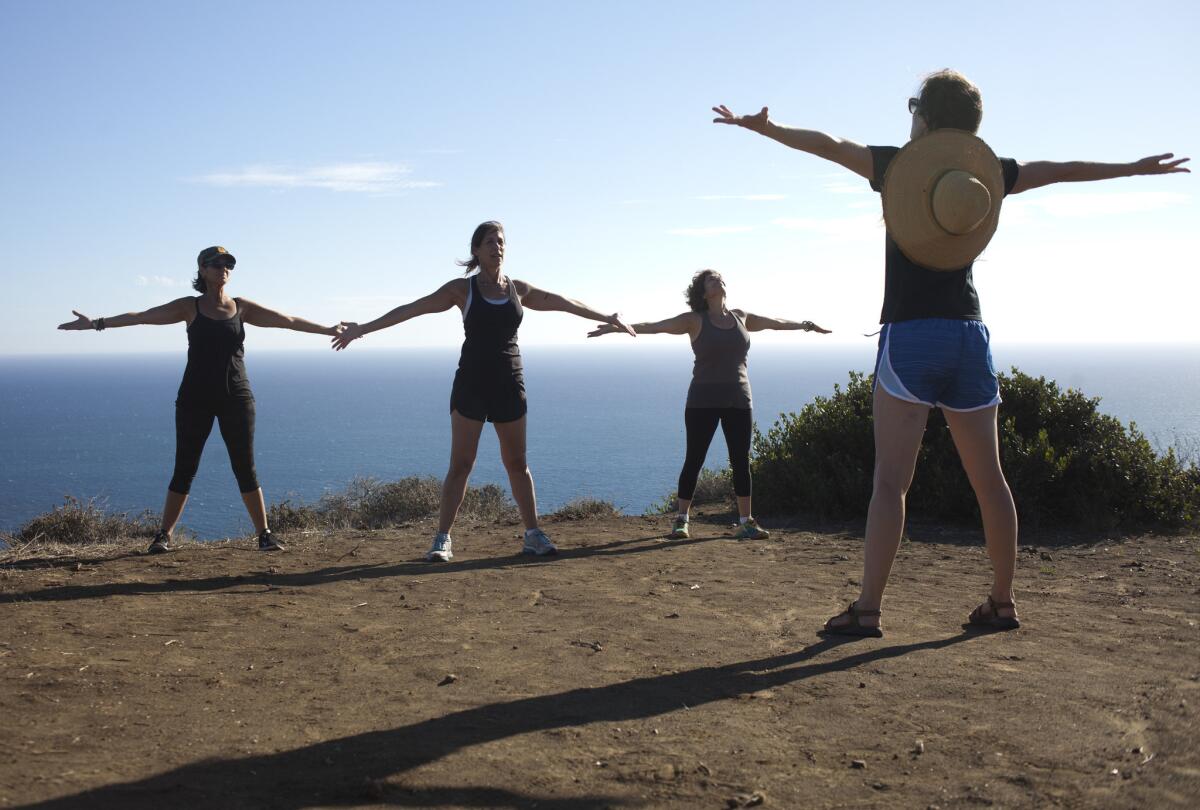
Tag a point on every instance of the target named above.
point(98, 324)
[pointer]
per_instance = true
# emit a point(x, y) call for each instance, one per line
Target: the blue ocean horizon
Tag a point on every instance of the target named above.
point(604, 422)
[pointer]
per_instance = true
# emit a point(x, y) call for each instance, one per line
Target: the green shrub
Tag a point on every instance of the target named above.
point(1067, 463)
point(586, 508)
point(712, 486)
point(79, 522)
point(368, 503)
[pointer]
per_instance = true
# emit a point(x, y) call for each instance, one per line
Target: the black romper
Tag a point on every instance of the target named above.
point(214, 386)
point(490, 383)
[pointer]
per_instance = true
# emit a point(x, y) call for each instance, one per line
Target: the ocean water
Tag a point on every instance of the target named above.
point(604, 421)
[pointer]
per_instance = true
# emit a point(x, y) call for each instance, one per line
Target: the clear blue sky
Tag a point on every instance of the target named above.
point(345, 151)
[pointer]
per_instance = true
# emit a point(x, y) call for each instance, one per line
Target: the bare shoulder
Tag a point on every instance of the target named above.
point(456, 289)
point(523, 287)
point(741, 313)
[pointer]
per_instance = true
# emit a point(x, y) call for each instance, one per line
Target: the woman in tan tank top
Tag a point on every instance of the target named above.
point(720, 389)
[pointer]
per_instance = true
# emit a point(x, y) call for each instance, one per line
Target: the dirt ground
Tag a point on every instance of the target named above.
point(626, 672)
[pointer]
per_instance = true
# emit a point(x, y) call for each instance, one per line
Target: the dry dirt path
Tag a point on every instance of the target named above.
point(627, 672)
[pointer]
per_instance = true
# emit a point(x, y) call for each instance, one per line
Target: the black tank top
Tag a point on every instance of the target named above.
point(490, 346)
point(215, 370)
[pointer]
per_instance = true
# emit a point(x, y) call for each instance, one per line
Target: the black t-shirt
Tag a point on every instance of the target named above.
point(911, 291)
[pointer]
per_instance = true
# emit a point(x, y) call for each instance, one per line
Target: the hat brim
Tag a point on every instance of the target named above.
point(908, 193)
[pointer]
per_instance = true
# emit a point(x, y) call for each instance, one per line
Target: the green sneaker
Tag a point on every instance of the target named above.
point(750, 530)
point(679, 531)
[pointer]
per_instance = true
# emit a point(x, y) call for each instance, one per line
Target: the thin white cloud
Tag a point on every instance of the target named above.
point(716, 230)
point(748, 197)
point(371, 178)
point(1096, 203)
point(159, 281)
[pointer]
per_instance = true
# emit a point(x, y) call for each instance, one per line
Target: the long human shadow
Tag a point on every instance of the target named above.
point(298, 579)
point(335, 772)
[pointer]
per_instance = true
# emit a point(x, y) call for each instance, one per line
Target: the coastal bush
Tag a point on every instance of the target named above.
point(712, 486)
point(78, 522)
point(1068, 464)
point(586, 508)
point(368, 503)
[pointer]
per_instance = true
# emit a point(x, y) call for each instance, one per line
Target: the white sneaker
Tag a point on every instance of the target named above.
point(536, 542)
point(440, 550)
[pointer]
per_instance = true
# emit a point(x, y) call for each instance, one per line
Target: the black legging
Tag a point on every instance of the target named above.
point(701, 423)
point(193, 423)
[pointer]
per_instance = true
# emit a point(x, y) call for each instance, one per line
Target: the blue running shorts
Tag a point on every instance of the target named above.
point(939, 362)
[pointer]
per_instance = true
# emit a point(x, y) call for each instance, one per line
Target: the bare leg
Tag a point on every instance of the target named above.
point(512, 453)
point(743, 505)
point(172, 510)
point(464, 444)
point(256, 508)
point(899, 429)
point(978, 442)
point(684, 507)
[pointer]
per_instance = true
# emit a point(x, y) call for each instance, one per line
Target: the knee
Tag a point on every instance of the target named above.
point(516, 464)
point(460, 468)
point(890, 486)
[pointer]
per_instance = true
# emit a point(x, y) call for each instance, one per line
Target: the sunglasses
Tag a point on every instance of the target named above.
point(224, 263)
point(914, 106)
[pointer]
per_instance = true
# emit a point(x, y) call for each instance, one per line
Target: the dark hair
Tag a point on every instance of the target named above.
point(949, 100)
point(481, 232)
point(695, 291)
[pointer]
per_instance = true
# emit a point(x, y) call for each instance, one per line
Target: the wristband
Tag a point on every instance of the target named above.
point(98, 324)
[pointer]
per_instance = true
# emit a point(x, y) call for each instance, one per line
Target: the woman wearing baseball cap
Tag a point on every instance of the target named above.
point(214, 384)
point(941, 200)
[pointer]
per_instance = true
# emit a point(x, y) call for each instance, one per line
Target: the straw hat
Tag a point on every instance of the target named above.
point(941, 198)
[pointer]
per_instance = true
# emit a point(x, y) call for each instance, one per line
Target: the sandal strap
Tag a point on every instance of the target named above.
point(855, 610)
point(994, 604)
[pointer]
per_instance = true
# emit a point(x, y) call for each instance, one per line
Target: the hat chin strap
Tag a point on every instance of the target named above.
point(960, 202)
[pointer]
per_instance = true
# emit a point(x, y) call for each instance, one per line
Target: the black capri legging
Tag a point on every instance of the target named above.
point(193, 423)
point(701, 423)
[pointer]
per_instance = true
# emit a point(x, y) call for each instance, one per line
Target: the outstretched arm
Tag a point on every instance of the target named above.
point(170, 312)
point(757, 323)
point(686, 323)
point(448, 295)
point(533, 298)
point(1044, 172)
point(258, 315)
point(854, 156)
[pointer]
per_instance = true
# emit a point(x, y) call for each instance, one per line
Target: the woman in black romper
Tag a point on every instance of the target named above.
point(214, 384)
point(489, 385)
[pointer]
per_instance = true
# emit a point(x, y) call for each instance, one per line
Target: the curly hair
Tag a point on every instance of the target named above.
point(950, 100)
point(695, 291)
point(481, 233)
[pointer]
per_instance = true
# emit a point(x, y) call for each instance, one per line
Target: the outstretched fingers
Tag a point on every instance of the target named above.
point(1163, 164)
point(81, 322)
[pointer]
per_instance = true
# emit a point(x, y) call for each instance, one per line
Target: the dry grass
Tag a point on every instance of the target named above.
point(368, 503)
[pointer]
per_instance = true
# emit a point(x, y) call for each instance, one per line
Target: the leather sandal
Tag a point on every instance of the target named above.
point(853, 626)
point(988, 616)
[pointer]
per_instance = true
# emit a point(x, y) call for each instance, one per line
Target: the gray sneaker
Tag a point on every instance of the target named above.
point(161, 544)
point(267, 542)
point(536, 542)
point(679, 531)
point(440, 550)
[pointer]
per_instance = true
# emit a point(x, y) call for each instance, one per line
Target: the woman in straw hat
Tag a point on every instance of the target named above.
point(214, 386)
point(941, 196)
point(489, 385)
